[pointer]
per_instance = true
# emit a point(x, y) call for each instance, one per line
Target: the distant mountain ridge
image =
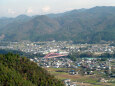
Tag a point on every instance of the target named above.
point(83, 25)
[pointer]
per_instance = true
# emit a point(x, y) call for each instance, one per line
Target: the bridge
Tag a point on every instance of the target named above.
point(54, 55)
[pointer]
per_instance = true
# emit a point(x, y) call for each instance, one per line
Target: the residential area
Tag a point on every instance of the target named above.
point(85, 71)
point(61, 47)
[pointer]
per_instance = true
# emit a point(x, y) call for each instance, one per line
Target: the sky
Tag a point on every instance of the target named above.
point(13, 8)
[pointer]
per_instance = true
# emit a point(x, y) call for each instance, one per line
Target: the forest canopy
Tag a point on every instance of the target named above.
point(20, 71)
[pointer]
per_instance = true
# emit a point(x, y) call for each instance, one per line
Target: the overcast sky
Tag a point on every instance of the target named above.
point(12, 8)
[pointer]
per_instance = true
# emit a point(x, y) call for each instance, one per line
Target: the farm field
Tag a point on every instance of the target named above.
point(80, 80)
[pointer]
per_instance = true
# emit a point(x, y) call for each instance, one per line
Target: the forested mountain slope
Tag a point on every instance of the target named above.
point(83, 25)
point(19, 71)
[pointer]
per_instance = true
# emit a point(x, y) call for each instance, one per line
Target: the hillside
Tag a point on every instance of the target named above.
point(83, 25)
point(19, 71)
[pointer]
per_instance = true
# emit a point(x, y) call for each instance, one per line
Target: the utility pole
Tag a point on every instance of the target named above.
point(109, 67)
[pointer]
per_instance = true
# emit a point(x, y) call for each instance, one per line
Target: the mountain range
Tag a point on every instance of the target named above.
point(84, 25)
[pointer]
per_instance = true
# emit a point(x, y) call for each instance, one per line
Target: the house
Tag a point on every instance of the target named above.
point(72, 72)
point(68, 82)
point(103, 80)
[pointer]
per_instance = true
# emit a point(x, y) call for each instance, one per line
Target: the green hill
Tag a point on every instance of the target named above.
point(19, 71)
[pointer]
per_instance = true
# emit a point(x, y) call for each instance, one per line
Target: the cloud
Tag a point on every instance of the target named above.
point(46, 9)
point(11, 11)
point(29, 10)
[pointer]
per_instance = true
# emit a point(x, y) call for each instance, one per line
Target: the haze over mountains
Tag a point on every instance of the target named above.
point(83, 25)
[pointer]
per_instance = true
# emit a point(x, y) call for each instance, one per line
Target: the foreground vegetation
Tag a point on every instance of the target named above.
point(19, 71)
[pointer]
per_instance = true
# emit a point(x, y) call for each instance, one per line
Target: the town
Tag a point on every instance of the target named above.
point(61, 47)
point(56, 61)
point(103, 70)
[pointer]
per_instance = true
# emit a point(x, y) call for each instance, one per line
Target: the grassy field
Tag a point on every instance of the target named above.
point(86, 80)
